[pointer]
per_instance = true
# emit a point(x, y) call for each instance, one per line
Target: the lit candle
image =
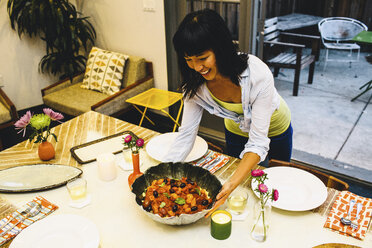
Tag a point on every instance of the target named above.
point(107, 170)
point(221, 224)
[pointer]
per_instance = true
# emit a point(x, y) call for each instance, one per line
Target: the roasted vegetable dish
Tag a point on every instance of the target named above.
point(172, 197)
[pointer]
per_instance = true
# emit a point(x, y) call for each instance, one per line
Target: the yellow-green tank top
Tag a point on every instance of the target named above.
point(280, 119)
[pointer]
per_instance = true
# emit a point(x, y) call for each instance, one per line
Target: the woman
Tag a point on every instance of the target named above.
point(235, 86)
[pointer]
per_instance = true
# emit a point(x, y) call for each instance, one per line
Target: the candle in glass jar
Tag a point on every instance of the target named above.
point(107, 170)
point(221, 224)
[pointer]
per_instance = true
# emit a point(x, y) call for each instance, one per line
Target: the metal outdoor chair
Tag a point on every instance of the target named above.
point(336, 34)
point(290, 54)
point(329, 181)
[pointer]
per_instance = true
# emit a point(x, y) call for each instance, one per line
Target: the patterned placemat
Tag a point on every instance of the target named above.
point(340, 208)
point(15, 221)
point(5, 209)
point(212, 161)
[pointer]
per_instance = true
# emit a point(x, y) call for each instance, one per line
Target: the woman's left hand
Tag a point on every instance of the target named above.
point(226, 190)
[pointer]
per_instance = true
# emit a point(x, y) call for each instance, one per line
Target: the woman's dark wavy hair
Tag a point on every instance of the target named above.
point(206, 30)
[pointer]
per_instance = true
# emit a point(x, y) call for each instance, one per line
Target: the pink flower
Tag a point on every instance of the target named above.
point(262, 188)
point(128, 139)
point(23, 122)
point(140, 142)
point(275, 194)
point(257, 173)
point(53, 115)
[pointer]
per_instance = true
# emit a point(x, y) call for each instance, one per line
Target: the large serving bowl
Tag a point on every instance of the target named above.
point(201, 176)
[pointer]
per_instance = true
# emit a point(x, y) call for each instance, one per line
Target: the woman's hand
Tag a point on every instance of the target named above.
point(241, 173)
point(226, 190)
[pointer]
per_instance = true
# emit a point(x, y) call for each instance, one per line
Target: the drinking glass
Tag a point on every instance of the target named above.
point(237, 200)
point(77, 188)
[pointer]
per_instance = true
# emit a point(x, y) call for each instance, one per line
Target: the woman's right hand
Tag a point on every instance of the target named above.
point(224, 193)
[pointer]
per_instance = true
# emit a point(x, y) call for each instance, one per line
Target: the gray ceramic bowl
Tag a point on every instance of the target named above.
point(201, 176)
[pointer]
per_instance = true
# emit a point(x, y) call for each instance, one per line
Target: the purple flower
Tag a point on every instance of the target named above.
point(128, 139)
point(257, 173)
point(23, 122)
point(275, 194)
point(140, 142)
point(53, 115)
point(262, 188)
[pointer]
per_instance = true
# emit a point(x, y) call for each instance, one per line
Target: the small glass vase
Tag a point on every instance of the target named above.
point(127, 155)
point(261, 221)
point(136, 169)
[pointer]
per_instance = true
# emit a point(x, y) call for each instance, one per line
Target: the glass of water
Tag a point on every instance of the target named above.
point(237, 200)
point(77, 189)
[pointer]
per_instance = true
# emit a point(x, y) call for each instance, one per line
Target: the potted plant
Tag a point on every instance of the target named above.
point(66, 33)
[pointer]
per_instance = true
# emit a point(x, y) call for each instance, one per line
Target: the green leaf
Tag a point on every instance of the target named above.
point(162, 184)
point(180, 201)
point(166, 194)
point(198, 191)
point(54, 136)
point(162, 204)
point(58, 25)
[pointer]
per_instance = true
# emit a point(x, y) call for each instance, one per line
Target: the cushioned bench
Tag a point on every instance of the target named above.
point(68, 97)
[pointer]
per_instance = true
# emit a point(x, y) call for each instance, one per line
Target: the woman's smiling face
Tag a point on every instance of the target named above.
point(204, 63)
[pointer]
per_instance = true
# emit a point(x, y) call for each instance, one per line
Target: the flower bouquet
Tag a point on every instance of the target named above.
point(263, 208)
point(134, 144)
point(39, 124)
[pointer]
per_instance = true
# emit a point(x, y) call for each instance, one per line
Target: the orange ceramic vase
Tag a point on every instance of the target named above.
point(136, 170)
point(46, 151)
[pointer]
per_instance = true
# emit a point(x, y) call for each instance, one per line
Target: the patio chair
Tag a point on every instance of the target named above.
point(336, 34)
point(290, 54)
point(8, 113)
point(329, 181)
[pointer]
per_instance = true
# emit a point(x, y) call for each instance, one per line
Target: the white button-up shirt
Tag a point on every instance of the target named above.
point(259, 100)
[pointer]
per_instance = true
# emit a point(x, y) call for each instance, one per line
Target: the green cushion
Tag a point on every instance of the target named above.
point(4, 114)
point(73, 100)
point(135, 69)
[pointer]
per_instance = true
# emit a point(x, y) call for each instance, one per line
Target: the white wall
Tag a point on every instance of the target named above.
point(19, 59)
point(121, 26)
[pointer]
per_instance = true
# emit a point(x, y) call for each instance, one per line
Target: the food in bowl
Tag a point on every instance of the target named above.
point(172, 197)
point(204, 179)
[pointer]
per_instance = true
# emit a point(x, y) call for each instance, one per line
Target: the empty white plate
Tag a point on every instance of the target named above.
point(59, 231)
point(299, 190)
point(158, 146)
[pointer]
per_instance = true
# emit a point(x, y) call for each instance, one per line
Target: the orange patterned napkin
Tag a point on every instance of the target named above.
point(47, 208)
point(212, 161)
point(341, 207)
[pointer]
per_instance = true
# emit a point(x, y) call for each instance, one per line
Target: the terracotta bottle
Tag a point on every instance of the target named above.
point(136, 170)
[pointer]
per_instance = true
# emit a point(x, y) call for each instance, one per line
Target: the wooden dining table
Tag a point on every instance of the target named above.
point(122, 223)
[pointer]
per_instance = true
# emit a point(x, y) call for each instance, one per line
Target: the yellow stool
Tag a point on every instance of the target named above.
point(159, 100)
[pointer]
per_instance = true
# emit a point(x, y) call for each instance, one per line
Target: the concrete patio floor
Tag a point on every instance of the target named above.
point(330, 131)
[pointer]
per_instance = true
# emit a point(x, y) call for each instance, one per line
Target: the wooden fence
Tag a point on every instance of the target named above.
point(229, 9)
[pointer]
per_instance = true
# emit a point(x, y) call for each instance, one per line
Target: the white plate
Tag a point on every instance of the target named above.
point(158, 147)
point(299, 190)
point(59, 231)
